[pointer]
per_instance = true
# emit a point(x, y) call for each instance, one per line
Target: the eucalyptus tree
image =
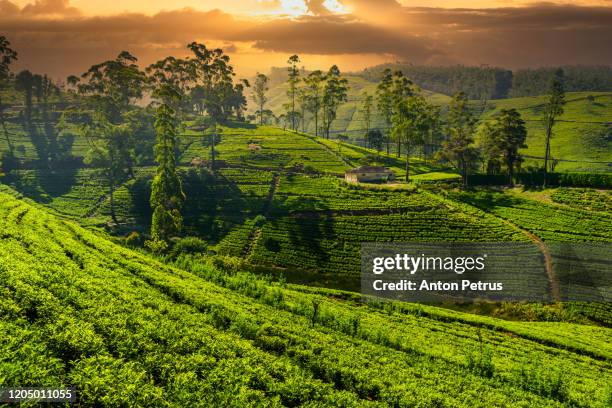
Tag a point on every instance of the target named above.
point(214, 75)
point(401, 89)
point(24, 82)
point(293, 80)
point(7, 56)
point(384, 101)
point(458, 148)
point(552, 110)
point(412, 119)
point(334, 94)
point(314, 95)
point(366, 112)
point(260, 87)
point(510, 135)
point(108, 91)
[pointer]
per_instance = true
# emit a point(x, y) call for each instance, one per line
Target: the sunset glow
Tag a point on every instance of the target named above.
point(65, 36)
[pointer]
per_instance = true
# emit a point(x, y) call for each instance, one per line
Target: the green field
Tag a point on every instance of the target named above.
point(119, 325)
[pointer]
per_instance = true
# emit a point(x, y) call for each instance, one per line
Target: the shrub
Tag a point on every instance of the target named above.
point(189, 245)
point(259, 220)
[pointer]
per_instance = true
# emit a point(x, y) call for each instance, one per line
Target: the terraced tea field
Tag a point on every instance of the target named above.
point(118, 325)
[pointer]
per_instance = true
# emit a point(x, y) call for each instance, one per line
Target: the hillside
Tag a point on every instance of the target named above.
point(582, 137)
point(349, 119)
point(118, 325)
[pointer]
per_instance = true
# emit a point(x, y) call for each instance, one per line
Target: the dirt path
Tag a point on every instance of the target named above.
point(553, 283)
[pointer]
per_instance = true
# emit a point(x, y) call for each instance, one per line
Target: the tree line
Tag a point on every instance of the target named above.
point(485, 82)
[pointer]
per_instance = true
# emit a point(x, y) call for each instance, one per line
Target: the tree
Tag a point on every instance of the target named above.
point(213, 73)
point(108, 91)
point(334, 94)
point(293, 80)
point(302, 98)
point(341, 139)
point(552, 110)
point(313, 83)
point(259, 94)
point(384, 97)
point(7, 56)
point(509, 134)
point(412, 119)
point(376, 139)
point(166, 192)
point(402, 88)
point(24, 82)
point(459, 147)
point(366, 112)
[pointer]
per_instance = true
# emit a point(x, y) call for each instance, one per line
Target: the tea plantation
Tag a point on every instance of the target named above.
point(118, 325)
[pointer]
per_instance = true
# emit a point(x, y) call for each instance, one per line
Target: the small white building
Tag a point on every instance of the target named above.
point(369, 174)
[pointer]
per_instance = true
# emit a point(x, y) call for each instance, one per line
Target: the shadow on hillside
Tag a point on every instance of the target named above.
point(215, 203)
point(42, 185)
point(241, 125)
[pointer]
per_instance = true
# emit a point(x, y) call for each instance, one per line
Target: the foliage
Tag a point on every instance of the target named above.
point(166, 191)
point(459, 147)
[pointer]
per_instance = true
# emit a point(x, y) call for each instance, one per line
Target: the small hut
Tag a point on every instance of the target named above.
point(369, 174)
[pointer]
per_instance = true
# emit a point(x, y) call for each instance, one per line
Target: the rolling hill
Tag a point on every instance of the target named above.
point(119, 325)
point(582, 138)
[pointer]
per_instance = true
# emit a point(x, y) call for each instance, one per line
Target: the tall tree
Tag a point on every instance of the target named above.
point(366, 112)
point(7, 56)
point(384, 99)
point(313, 83)
point(412, 119)
point(459, 147)
point(292, 80)
point(24, 82)
point(214, 75)
point(510, 134)
point(552, 110)
point(260, 88)
point(108, 90)
point(334, 94)
point(401, 90)
point(166, 192)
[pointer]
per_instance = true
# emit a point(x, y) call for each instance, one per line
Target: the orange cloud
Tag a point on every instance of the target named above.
point(53, 37)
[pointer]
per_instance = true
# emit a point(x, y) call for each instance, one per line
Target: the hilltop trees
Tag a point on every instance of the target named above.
point(459, 147)
point(213, 75)
point(384, 99)
point(7, 56)
point(293, 81)
point(552, 110)
point(313, 88)
point(366, 112)
point(108, 90)
point(501, 140)
point(334, 94)
point(260, 87)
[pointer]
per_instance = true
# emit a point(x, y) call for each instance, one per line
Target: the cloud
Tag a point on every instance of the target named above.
point(317, 7)
point(50, 7)
point(53, 37)
point(336, 35)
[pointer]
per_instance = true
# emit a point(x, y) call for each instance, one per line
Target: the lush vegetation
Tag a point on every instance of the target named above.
point(120, 326)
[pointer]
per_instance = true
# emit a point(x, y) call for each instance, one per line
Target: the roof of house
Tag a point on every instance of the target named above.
point(370, 169)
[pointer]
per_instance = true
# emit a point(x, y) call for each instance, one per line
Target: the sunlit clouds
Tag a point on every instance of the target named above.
point(63, 37)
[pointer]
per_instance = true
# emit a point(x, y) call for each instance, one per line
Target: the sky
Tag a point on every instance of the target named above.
point(63, 37)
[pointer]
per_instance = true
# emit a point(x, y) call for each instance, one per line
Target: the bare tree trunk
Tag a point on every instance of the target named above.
point(547, 151)
point(407, 163)
point(4, 128)
point(212, 145)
